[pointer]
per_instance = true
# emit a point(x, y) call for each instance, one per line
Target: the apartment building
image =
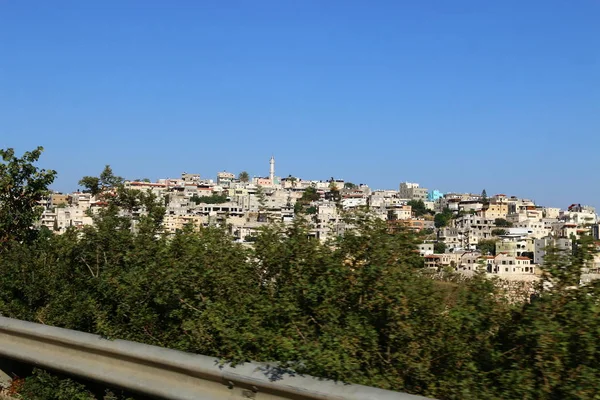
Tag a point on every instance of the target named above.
point(494, 209)
point(541, 245)
point(412, 191)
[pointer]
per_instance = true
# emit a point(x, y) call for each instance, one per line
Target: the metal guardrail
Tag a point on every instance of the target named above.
point(166, 373)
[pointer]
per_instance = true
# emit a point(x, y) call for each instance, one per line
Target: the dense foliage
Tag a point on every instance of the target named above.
point(359, 308)
point(22, 187)
point(214, 198)
point(419, 208)
point(487, 246)
point(442, 219)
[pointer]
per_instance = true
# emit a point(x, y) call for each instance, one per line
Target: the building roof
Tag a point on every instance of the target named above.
point(138, 183)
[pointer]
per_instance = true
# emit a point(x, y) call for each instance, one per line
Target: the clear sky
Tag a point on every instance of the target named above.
point(457, 95)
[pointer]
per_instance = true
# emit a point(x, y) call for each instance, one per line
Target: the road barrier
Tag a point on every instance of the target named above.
point(166, 373)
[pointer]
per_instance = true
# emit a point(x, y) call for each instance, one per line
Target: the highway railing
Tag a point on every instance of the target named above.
point(165, 373)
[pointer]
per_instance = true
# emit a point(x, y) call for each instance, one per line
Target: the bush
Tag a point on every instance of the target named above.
point(359, 308)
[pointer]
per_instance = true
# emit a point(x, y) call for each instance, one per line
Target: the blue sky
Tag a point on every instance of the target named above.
point(458, 95)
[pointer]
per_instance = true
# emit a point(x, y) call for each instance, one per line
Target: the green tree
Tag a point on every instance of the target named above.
point(549, 347)
point(358, 308)
point(91, 184)
point(442, 219)
point(311, 210)
point(298, 208)
point(22, 187)
point(439, 247)
point(334, 193)
point(310, 194)
point(214, 198)
point(349, 185)
point(106, 180)
point(418, 208)
point(427, 231)
point(262, 204)
point(261, 197)
point(243, 176)
point(498, 232)
point(502, 223)
point(487, 247)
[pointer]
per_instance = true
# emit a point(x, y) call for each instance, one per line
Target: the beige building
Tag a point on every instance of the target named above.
point(174, 223)
point(425, 248)
point(471, 261)
point(451, 237)
point(59, 200)
point(225, 178)
point(398, 211)
point(59, 218)
point(504, 264)
point(445, 260)
point(412, 191)
point(495, 210)
point(515, 246)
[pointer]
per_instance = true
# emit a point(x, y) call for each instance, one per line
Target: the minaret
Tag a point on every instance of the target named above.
point(272, 170)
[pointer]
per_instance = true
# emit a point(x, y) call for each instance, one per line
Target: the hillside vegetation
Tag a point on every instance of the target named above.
point(359, 308)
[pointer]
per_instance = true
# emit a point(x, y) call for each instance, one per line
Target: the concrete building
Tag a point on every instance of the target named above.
point(441, 261)
point(495, 209)
point(452, 237)
point(551, 212)
point(59, 200)
point(190, 178)
point(504, 264)
point(425, 248)
point(595, 231)
point(561, 243)
point(578, 214)
point(515, 245)
point(398, 211)
point(225, 178)
point(434, 195)
point(470, 206)
point(351, 203)
point(412, 191)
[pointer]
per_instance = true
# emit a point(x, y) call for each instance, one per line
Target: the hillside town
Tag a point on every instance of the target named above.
point(503, 235)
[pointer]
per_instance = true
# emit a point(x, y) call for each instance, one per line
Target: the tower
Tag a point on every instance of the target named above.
point(272, 170)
